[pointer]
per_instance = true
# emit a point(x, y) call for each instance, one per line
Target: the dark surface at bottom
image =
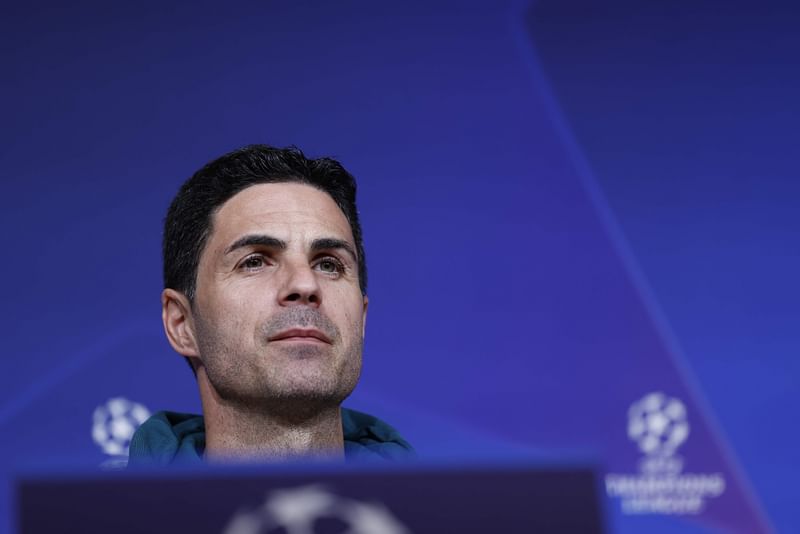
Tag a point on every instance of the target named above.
point(513, 500)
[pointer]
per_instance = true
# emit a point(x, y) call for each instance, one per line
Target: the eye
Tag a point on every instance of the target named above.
point(330, 265)
point(252, 263)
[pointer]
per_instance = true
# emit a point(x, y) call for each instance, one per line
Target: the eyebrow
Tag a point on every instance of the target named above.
point(325, 243)
point(256, 239)
point(331, 243)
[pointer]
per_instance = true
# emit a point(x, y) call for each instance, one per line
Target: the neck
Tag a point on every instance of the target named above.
point(237, 433)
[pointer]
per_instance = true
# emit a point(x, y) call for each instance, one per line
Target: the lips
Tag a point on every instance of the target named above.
point(301, 334)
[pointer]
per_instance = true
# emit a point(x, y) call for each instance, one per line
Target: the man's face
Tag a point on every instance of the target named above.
point(278, 313)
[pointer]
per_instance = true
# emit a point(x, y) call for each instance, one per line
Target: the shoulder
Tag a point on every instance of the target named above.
point(367, 436)
point(167, 437)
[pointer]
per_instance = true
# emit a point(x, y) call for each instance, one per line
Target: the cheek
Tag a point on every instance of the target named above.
point(353, 310)
point(231, 298)
point(232, 313)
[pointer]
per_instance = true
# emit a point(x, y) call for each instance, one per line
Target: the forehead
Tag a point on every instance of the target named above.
point(284, 210)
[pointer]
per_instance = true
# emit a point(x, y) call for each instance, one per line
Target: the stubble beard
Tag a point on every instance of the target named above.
point(288, 381)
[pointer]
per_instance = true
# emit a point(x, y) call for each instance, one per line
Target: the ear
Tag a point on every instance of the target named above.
point(364, 317)
point(176, 314)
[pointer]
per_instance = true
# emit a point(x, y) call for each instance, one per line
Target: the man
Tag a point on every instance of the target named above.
point(265, 296)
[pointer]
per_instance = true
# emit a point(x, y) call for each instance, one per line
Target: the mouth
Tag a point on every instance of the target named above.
point(301, 335)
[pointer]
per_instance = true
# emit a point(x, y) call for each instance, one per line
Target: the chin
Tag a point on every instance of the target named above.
point(331, 391)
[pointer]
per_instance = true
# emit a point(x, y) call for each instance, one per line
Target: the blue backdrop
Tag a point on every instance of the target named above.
point(568, 206)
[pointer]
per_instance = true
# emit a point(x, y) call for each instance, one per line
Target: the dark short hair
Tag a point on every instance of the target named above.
point(190, 216)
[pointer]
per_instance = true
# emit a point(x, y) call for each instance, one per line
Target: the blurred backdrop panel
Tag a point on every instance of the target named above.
point(580, 221)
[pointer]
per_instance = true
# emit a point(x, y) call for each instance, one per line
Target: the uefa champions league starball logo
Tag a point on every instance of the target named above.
point(114, 423)
point(314, 510)
point(658, 424)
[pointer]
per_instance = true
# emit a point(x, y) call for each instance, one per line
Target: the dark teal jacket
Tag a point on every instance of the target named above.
point(180, 438)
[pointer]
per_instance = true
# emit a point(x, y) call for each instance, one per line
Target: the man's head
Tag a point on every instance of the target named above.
point(265, 279)
point(189, 220)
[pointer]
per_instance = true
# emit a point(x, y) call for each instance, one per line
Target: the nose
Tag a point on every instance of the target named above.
point(300, 285)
